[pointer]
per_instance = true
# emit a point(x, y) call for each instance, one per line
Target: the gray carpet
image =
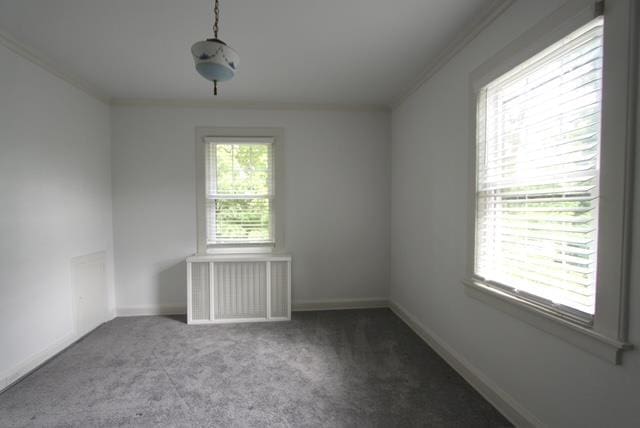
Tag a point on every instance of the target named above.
point(329, 368)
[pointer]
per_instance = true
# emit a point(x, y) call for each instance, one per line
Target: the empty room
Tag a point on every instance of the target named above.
point(319, 213)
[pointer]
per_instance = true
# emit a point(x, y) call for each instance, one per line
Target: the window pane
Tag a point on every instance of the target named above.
point(239, 220)
point(538, 149)
point(239, 192)
point(242, 169)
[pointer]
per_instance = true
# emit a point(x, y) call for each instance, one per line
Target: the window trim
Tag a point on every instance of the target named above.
point(606, 337)
point(207, 134)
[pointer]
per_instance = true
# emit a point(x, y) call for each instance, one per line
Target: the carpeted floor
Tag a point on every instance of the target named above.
point(361, 368)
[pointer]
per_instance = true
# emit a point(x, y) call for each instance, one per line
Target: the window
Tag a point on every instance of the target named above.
point(538, 140)
point(239, 191)
point(553, 147)
point(237, 187)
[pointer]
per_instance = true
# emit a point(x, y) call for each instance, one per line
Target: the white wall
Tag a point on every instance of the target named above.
point(335, 189)
point(55, 188)
point(557, 383)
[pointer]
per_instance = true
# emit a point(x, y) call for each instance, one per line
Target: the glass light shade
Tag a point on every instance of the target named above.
point(214, 60)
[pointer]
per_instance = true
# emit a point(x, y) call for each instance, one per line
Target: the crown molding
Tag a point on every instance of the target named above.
point(40, 60)
point(257, 105)
point(473, 28)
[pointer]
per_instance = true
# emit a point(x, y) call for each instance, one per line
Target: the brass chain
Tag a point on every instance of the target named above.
point(216, 12)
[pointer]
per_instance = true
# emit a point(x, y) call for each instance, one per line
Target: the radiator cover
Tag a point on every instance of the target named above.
point(238, 288)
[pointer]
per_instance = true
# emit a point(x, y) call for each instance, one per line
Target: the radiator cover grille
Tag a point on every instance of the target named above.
point(200, 292)
point(240, 290)
point(235, 289)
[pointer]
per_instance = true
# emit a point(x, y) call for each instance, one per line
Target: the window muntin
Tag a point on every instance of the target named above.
point(239, 191)
point(537, 175)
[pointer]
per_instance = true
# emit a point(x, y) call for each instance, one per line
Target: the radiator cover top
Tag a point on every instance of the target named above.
point(238, 288)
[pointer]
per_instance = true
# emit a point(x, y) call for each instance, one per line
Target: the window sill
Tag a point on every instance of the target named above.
point(583, 337)
point(248, 257)
point(252, 249)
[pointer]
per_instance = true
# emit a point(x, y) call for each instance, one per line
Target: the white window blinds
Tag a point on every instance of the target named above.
point(538, 143)
point(239, 191)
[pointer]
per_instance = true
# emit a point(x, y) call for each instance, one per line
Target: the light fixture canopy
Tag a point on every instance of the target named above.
point(214, 59)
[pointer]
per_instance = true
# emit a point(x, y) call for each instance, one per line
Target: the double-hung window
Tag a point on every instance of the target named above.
point(538, 147)
point(236, 192)
point(240, 191)
point(550, 179)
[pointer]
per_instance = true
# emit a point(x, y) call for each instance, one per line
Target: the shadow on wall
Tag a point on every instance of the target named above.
point(172, 285)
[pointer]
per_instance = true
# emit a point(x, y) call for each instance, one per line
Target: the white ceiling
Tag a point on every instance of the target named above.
point(312, 51)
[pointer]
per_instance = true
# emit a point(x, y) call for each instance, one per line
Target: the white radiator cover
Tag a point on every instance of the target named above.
point(238, 288)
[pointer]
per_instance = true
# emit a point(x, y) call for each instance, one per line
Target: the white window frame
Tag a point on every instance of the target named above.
point(606, 336)
point(204, 135)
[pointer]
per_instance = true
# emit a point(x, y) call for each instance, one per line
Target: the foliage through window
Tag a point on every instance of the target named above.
point(239, 191)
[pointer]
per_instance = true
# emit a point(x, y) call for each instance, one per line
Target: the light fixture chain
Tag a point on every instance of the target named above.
point(216, 13)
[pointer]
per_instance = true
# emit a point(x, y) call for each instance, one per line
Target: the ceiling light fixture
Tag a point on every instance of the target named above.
point(215, 60)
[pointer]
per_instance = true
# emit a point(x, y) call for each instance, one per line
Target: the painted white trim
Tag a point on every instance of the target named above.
point(40, 60)
point(289, 280)
point(277, 134)
point(240, 140)
point(213, 261)
point(268, 278)
point(585, 338)
point(246, 105)
point(16, 373)
point(508, 406)
point(238, 320)
point(299, 306)
point(473, 28)
point(631, 133)
point(190, 292)
point(478, 24)
point(240, 257)
point(500, 399)
point(135, 311)
point(100, 258)
point(608, 336)
point(212, 293)
point(337, 304)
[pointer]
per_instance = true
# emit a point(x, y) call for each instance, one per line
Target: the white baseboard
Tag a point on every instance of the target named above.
point(335, 304)
point(135, 311)
point(14, 374)
point(506, 404)
point(305, 305)
point(500, 399)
